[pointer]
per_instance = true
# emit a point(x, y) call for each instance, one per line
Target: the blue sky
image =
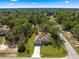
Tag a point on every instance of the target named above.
point(39, 3)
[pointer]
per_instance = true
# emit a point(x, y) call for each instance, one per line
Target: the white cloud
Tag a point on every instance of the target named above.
point(11, 3)
point(67, 1)
point(14, 0)
point(34, 3)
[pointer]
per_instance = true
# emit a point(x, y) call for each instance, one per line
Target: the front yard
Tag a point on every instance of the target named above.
point(50, 51)
point(56, 49)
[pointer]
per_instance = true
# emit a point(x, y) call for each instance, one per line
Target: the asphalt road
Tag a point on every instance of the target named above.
point(72, 54)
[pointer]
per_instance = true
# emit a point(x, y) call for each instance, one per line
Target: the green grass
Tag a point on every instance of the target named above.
point(1, 39)
point(22, 54)
point(70, 41)
point(29, 47)
point(50, 51)
point(54, 50)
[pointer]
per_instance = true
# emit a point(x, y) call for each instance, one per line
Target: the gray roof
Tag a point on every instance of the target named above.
point(42, 38)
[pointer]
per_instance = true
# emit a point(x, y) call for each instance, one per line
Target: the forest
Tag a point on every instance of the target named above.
point(25, 23)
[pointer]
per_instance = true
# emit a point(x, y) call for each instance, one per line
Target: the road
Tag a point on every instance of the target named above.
point(72, 54)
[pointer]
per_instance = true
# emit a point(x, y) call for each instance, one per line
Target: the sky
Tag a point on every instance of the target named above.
point(39, 3)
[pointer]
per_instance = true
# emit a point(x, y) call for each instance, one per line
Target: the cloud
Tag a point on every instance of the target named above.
point(67, 1)
point(14, 0)
point(11, 3)
point(34, 3)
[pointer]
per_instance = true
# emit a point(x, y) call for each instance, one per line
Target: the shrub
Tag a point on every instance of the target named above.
point(22, 48)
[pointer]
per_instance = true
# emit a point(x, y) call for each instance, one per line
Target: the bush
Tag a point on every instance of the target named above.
point(22, 48)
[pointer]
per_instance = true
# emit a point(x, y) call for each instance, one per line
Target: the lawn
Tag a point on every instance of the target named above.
point(50, 51)
point(29, 46)
point(1, 39)
point(22, 54)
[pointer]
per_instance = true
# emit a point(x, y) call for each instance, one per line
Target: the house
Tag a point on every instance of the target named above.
point(42, 39)
point(2, 32)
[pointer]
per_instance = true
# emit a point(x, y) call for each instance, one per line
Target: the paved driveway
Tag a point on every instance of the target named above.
point(72, 54)
point(36, 53)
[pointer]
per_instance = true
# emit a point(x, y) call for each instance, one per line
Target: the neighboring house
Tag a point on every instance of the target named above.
point(2, 32)
point(42, 39)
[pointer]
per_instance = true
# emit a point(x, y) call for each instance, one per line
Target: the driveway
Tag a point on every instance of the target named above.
point(36, 53)
point(72, 54)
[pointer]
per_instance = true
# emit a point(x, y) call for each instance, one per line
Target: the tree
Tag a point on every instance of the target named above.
point(10, 38)
point(54, 30)
point(21, 48)
point(75, 31)
point(50, 26)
